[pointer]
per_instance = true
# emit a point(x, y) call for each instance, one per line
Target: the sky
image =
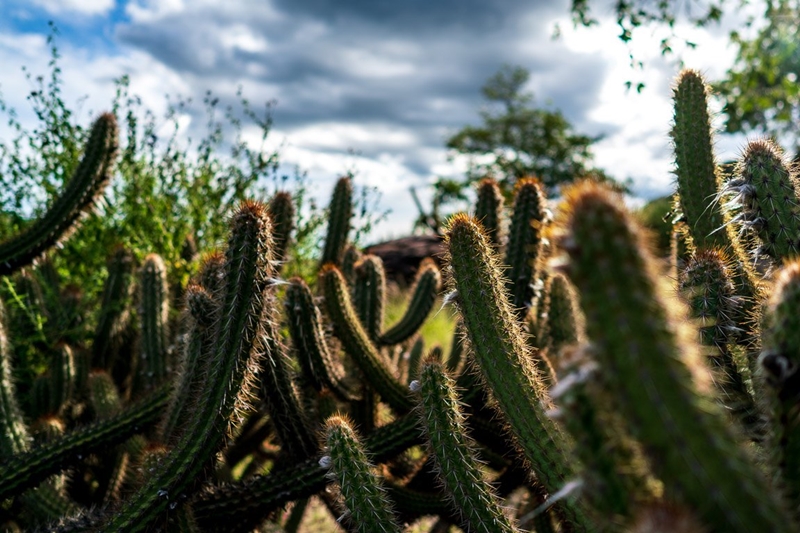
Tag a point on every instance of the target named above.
point(373, 87)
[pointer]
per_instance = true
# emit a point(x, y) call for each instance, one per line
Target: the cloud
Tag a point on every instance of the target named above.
point(80, 7)
point(378, 86)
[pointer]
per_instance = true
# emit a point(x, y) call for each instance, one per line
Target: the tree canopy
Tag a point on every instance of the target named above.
point(517, 139)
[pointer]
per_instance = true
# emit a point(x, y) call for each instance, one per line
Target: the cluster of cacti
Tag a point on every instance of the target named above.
point(587, 388)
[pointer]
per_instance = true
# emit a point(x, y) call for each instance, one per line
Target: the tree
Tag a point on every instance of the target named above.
point(760, 92)
point(522, 140)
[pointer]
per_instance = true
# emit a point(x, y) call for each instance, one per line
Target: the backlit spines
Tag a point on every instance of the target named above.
point(695, 168)
point(764, 197)
point(281, 212)
point(320, 367)
point(524, 248)
point(780, 360)
point(707, 287)
point(340, 211)
point(502, 354)
point(357, 343)
point(78, 196)
point(489, 211)
point(426, 288)
point(650, 362)
point(23, 470)
point(154, 317)
point(368, 508)
point(247, 276)
point(454, 452)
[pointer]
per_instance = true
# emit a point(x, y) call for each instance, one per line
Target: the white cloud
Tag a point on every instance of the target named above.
point(83, 7)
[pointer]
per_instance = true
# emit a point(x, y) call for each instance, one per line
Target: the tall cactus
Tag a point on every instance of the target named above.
point(651, 363)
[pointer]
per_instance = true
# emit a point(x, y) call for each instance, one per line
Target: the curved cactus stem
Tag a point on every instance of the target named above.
point(357, 343)
point(340, 211)
point(239, 507)
point(321, 369)
point(368, 507)
point(247, 279)
point(29, 468)
point(426, 288)
point(504, 358)
point(454, 453)
point(652, 365)
point(291, 422)
point(80, 193)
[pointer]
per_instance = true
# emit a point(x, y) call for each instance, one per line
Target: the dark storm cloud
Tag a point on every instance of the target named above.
point(414, 65)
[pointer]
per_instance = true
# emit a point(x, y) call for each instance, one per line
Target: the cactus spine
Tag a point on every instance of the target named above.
point(368, 508)
point(454, 452)
point(502, 354)
point(650, 362)
point(78, 196)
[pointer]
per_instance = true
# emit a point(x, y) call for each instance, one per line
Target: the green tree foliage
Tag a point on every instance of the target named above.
point(760, 92)
point(520, 139)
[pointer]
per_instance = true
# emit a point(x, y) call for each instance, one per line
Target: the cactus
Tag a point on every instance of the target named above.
point(641, 345)
point(638, 430)
point(78, 196)
point(340, 213)
point(454, 452)
point(368, 508)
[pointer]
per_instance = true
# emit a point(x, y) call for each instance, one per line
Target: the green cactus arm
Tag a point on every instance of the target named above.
point(454, 453)
point(91, 176)
point(765, 199)
point(154, 316)
point(616, 476)
point(410, 504)
point(351, 257)
point(489, 211)
point(14, 436)
point(423, 297)
point(291, 422)
point(651, 363)
point(706, 284)
point(203, 311)
point(525, 245)
point(368, 507)
point(564, 319)
point(305, 329)
point(357, 343)
point(502, 354)
point(281, 212)
point(369, 294)
point(696, 172)
point(27, 469)
point(242, 506)
point(340, 211)
point(415, 355)
point(247, 280)
point(114, 313)
point(780, 360)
